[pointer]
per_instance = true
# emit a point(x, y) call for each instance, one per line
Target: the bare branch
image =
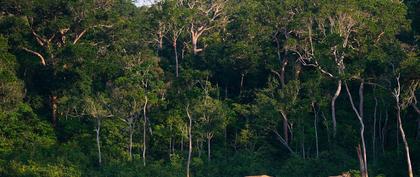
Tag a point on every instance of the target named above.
point(41, 58)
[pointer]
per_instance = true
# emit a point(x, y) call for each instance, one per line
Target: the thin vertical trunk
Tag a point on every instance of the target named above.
point(189, 140)
point(303, 142)
point(359, 114)
point(328, 129)
point(316, 130)
point(194, 44)
point(374, 130)
point(334, 120)
point(283, 72)
point(130, 146)
point(285, 127)
point(53, 102)
point(397, 93)
point(242, 82)
point(144, 129)
point(98, 143)
point(176, 58)
point(379, 130)
point(198, 147)
point(398, 139)
point(208, 149)
point(363, 171)
point(407, 149)
point(170, 140)
point(384, 128)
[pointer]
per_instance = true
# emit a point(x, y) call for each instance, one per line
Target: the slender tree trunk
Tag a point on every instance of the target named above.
point(198, 147)
point(283, 72)
point(176, 58)
point(363, 171)
point(285, 127)
point(53, 102)
point(242, 82)
point(98, 143)
point(374, 130)
point(208, 149)
point(406, 147)
point(144, 129)
point(170, 141)
point(384, 129)
point(194, 44)
point(182, 144)
point(189, 141)
point(130, 146)
point(303, 142)
point(359, 114)
point(334, 120)
point(379, 130)
point(316, 129)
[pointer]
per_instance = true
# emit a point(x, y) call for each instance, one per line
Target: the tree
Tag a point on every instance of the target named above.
point(98, 108)
point(203, 17)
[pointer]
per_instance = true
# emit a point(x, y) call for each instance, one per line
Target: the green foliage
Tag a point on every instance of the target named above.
point(102, 71)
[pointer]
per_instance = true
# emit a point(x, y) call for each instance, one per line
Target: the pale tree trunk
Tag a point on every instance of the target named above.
point(53, 102)
point(176, 57)
point(189, 140)
point(396, 94)
point(316, 129)
point(363, 171)
point(208, 149)
point(144, 129)
point(334, 120)
point(209, 137)
point(359, 114)
point(130, 143)
point(198, 147)
point(418, 119)
point(285, 127)
point(98, 143)
point(374, 130)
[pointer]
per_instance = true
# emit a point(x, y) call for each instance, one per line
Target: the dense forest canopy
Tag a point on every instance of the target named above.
point(219, 88)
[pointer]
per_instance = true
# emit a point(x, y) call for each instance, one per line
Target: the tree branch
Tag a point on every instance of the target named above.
point(41, 58)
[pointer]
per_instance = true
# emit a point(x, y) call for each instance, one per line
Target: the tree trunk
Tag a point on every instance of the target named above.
point(407, 149)
point(359, 114)
point(208, 149)
point(189, 141)
point(194, 44)
point(130, 146)
point(283, 73)
point(144, 129)
point(334, 120)
point(316, 130)
point(285, 128)
point(176, 58)
point(53, 102)
point(98, 143)
point(363, 171)
point(374, 130)
point(383, 131)
point(397, 93)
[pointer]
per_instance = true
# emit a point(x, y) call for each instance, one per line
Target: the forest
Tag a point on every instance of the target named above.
point(210, 88)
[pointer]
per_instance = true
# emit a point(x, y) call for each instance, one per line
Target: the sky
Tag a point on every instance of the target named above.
point(143, 2)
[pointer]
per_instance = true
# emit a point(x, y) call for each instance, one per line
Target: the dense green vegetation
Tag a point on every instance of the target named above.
point(219, 88)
